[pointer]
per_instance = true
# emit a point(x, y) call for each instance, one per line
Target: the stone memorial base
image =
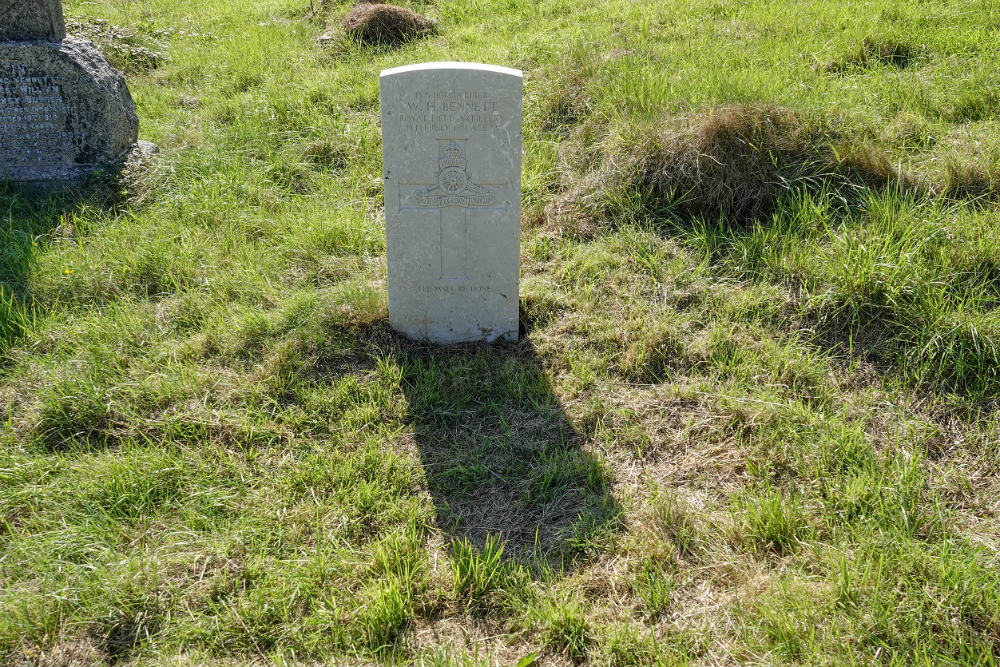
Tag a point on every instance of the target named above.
point(65, 112)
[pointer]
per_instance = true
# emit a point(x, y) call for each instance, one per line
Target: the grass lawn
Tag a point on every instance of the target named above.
point(753, 418)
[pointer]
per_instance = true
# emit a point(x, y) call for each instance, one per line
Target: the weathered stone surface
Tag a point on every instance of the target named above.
point(25, 20)
point(451, 151)
point(64, 111)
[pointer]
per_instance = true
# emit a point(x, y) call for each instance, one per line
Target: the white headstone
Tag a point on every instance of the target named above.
point(451, 151)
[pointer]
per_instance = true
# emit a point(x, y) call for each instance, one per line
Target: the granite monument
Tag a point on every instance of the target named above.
point(65, 112)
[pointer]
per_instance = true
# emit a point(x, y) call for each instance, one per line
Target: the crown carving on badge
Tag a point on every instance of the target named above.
point(452, 154)
point(452, 151)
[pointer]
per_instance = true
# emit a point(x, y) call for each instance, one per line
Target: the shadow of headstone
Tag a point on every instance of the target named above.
point(500, 456)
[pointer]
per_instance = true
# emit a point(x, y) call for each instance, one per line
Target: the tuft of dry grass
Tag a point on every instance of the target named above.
point(736, 164)
point(964, 179)
point(386, 25)
point(326, 154)
point(733, 163)
point(78, 650)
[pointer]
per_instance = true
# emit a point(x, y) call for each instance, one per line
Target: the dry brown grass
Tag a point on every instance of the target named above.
point(729, 162)
point(566, 217)
point(387, 25)
point(79, 650)
point(733, 163)
point(738, 161)
point(964, 179)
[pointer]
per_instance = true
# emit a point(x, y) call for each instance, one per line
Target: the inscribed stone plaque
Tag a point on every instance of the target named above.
point(22, 20)
point(451, 150)
point(64, 111)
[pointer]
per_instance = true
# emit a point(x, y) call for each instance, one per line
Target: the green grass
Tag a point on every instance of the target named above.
point(733, 434)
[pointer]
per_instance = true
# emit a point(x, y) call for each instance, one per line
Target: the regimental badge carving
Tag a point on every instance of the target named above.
point(453, 194)
point(454, 185)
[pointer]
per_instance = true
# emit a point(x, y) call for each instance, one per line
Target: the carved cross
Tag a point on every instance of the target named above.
point(452, 194)
point(31, 20)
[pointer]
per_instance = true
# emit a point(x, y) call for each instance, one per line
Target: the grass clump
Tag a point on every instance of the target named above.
point(14, 319)
point(875, 52)
point(675, 521)
point(771, 522)
point(626, 645)
point(565, 628)
point(388, 610)
point(326, 154)
point(735, 163)
point(385, 25)
point(654, 588)
point(476, 573)
point(76, 411)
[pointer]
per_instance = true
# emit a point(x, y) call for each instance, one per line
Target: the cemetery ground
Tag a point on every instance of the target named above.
point(752, 419)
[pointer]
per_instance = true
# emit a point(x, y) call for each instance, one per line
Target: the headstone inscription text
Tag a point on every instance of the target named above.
point(32, 111)
point(451, 137)
point(33, 120)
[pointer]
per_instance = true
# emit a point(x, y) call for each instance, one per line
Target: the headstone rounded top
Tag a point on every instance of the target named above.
point(472, 67)
point(32, 21)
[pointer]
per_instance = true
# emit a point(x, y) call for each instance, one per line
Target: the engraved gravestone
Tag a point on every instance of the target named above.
point(451, 150)
point(64, 110)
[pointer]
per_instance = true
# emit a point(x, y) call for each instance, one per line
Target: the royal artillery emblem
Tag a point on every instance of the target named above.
point(453, 195)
